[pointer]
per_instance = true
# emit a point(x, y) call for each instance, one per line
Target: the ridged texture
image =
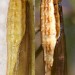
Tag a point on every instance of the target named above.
point(15, 33)
point(57, 18)
point(50, 29)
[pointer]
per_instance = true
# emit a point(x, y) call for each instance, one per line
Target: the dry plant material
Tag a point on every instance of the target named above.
point(50, 29)
point(15, 33)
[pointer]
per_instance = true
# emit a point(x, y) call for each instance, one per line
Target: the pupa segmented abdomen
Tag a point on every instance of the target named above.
point(49, 31)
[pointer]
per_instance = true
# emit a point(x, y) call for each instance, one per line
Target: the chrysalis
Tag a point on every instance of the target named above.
point(50, 30)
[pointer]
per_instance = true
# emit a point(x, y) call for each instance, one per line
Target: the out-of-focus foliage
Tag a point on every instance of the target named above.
point(72, 2)
point(69, 23)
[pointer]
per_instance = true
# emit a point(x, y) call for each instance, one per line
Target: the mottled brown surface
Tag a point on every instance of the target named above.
point(60, 57)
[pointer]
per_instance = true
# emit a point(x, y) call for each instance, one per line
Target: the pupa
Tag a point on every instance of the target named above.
point(50, 30)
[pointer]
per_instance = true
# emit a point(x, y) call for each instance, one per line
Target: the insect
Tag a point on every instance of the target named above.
point(50, 30)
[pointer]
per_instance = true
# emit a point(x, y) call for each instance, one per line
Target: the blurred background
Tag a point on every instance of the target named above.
point(69, 26)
